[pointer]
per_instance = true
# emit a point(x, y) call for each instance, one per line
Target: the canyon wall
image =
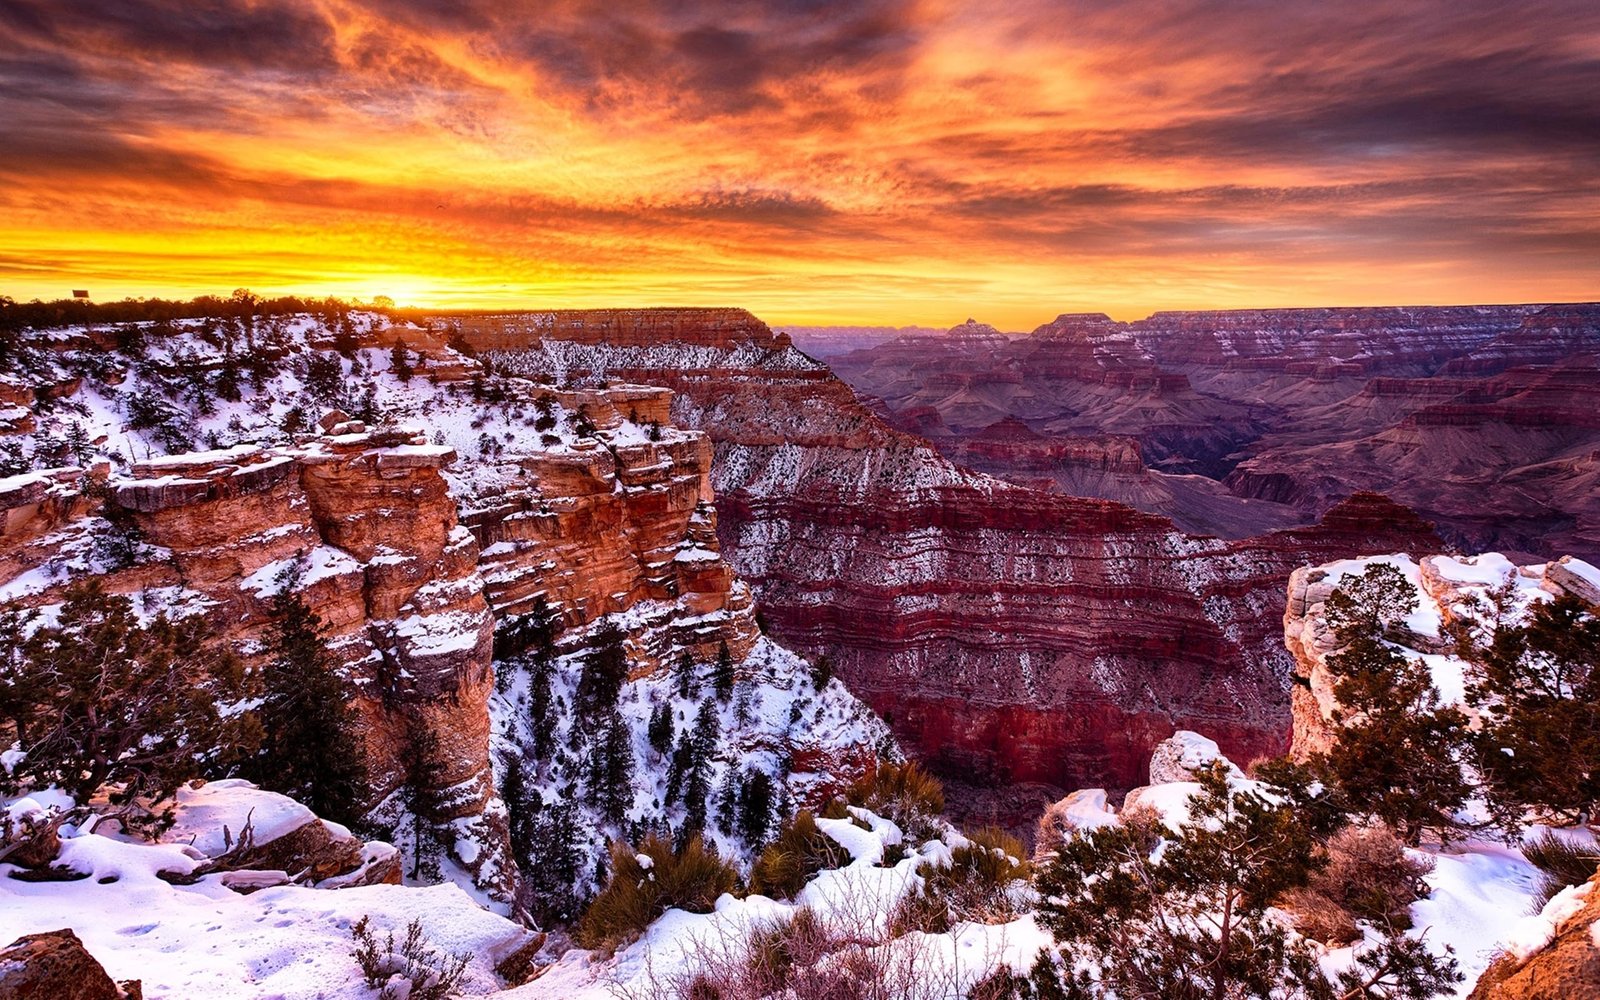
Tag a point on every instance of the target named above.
point(407, 554)
point(1246, 421)
point(359, 525)
point(1010, 636)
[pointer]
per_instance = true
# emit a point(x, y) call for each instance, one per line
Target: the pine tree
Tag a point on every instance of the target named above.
point(521, 808)
point(821, 672)
point(1398, 751)
point(660, 731)
point(611, 770)
point(228, 378)
point(722, 674)
point(400, 362)
point(344, 339)
point(78, 444)
point(1537, 686)
point(419, 796)
point(1142, 911)
point(310, 748)
point(605, 667)
point(688, 683)
point(755, 807)
point(728, 802)
point(555, 862)
point(101, 697)
point(324, 377)
point(700, 746)
point(366, 409)
point(21, 688)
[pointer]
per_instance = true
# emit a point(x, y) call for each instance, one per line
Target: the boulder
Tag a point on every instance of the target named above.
point(53, 966)
point(1181, 756)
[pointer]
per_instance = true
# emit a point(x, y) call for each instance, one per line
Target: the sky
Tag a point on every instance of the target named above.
point(815, 161)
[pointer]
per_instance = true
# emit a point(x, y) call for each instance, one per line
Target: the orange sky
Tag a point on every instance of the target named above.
point(886, 161)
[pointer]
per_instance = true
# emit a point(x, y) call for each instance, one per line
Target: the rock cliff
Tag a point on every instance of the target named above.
point(360, 525)
point(586, 499)
point(1010, 636)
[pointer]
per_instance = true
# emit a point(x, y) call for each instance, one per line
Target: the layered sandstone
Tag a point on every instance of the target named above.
point(1478, 417)
point(359, 525)
point(1009, 636)
point(615, 523)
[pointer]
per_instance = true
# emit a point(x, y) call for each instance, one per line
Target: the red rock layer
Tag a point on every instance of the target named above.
point(361, 527)
point(1009, 635)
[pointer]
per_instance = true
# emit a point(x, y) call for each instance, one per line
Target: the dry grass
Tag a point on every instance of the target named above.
point(979, 885)
point(1369, 876)
point(690, 879)
point(1561, 863)
point(904, 793)
point(808, 956)
point(800, 850)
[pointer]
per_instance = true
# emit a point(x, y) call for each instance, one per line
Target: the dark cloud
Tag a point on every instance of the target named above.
point(718, 58)
point(281, 35)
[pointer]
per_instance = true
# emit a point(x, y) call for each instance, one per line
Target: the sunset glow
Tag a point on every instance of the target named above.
point(892, 161)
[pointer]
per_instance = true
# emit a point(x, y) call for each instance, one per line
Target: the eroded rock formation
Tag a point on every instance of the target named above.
point(1479, 418)
point(1010, 636)
point(1449, 590)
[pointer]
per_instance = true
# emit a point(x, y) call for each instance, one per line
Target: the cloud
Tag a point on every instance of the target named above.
point(1156, 153)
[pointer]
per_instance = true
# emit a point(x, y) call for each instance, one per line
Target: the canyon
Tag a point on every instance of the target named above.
point(1234, 423)
point(1022, 642)
point(687, 467)
point(409, 553)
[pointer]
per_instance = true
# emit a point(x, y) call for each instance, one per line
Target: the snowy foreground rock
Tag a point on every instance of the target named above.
point(138, 920)
point(140, 911)
point(1448, 590)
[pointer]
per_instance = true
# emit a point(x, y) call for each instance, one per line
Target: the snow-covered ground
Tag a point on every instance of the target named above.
point(185, 942)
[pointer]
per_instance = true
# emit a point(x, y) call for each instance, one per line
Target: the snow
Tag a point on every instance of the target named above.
point(206, 940)
point(863, 845)
point(319, 563)
point(202, 813)
point(1490, 569)
point(1533, 934)
point(1086, 809)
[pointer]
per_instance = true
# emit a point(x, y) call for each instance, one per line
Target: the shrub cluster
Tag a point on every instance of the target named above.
point(647, 881)
point(1561, 863)
point(800, 851)
point(1367, 875)
point(905, 794)
point(979, 884)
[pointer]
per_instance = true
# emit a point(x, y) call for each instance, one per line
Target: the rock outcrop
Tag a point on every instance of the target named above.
point(586, 500)
point(358, 524)
point(55, 966)
point(1449, 590)
point(1563, 966)
point(617, 523)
